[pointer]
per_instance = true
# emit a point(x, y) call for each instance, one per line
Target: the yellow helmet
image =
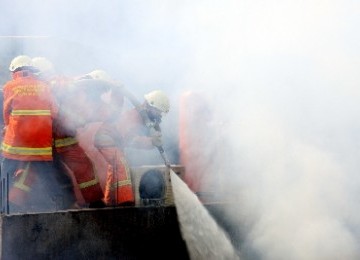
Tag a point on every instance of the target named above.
point(159, 100)
point(20, 61)
point(43, 65)
point(99, 74)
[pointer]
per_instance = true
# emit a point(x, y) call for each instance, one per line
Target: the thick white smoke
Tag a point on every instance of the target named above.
point(283, 75)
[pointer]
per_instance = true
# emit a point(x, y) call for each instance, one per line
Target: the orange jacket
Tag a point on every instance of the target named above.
point(29, 109)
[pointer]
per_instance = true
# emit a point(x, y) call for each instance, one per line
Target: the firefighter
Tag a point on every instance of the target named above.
point(27, 169)
point(137, 128)
point(140, 127)
point(201, 139)
point(70, 157)
point(118, 185)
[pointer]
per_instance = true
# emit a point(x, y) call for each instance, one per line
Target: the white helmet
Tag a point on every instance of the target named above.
point(159, 100)
point(99, 74)
point(43, 65)
point(20, 61)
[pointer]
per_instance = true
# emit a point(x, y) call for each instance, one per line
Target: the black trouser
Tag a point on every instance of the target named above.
point(44, 192)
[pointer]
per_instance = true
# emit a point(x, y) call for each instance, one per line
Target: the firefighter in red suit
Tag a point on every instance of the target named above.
point(133, 125)
point(27, 169)
point(118, 187)
point(70, 157)
point(130, 130)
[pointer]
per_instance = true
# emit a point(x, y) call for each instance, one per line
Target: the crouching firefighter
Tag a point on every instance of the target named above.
point(130, 129)
point(118, 188)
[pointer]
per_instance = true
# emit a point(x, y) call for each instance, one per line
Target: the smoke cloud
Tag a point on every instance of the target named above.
point(282, 76)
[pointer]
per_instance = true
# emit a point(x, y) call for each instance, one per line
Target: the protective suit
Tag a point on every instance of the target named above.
point(118, 185)
point(70, 156)
point(28, 111)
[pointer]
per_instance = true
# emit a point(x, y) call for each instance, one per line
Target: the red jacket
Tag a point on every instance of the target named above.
point(29, 109)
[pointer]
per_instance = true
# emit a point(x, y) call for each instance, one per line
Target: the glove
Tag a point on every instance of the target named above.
point(156, 139)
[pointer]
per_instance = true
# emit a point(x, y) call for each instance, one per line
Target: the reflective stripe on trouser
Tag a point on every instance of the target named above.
point(32, 185)
point(62, 142)
point(24, 178)
point(118, 188)
point(75, 158)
